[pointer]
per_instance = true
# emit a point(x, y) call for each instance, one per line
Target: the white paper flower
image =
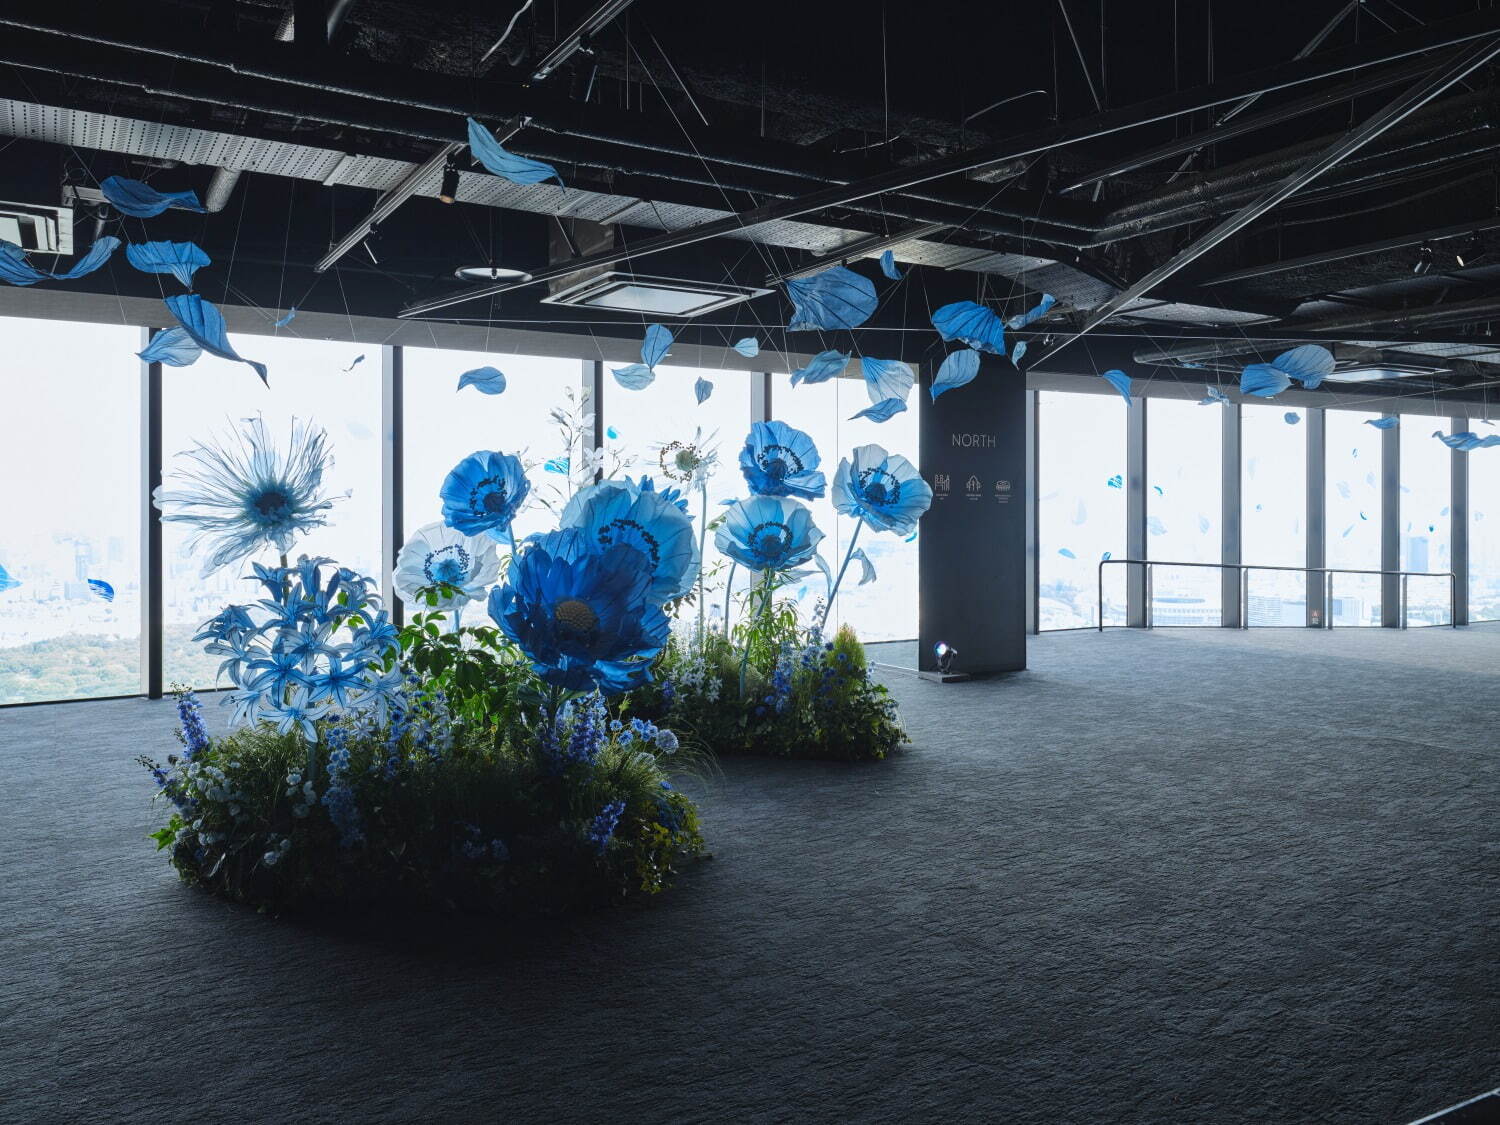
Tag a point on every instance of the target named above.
point(438, 553)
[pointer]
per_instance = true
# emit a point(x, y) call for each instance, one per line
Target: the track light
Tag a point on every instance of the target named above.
point(945, 654)
point(449, 191)
point(1472, 251)
point(1424, 260)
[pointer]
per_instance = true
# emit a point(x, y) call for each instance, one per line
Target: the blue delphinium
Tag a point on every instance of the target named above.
point(634, 514)
point(193, 733)
point(484, 493)
point(343, 808)
point(778, 460)
point(603, 828)
point(768, 533)
point(242, 497)
point(881, 489)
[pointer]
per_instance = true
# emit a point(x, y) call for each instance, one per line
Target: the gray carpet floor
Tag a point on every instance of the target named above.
point(1182, 876)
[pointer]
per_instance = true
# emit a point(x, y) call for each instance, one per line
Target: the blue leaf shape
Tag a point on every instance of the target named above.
point(612, 433)
point(503, 163)
point(1203, 525)
point(866, 567)
point(702, 389)
point(886, 378)
point(1116, 481)
point(174, 347)
point(1387, 423)
point(1106, 556)
point(1263, 380)
point(1065, 553)
point(1343, 489)
point(835, 298)
point(1119, 381)
point(882, 411)
point(1156, 488)
point(284, 321)
point(912, 538)
point(1309, 364)
point(180, 259)
point(636, 377)
point(1016, 353)
point(958, 369)
point(1291, 417)
point(1466, 440)
point(16, 267)
point(205, 324)
point(889, 268)
point(1155, 526)
point(749, 347)
point(556, 465)
point(141, 201)
point(1036, 312)
point(6, 581)
point(357, 361)
point(971, 324)
point(654, 346)
point(487, 380)
point(101, 589)
point(1214, 395)
point(821, 368)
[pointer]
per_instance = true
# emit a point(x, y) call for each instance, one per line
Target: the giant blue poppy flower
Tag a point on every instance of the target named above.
point(883, 489)
point(583, 615)
point(768, 533)
point(438, 554)
point(781, 461)
point(636, 515)
point(483, 493)
point(241, 497)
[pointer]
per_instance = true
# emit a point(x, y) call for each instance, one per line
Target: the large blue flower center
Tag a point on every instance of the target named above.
point(448, 564)
point(574, 617)
point(770, 540)
point(632, 534)
point(493, 496)
point(779, 462)
point(270, 504)
point(879, 487)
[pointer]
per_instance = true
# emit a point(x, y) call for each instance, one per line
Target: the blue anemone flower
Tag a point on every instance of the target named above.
point(781, 461)
point(437, 553)
point(768, 533)
point(582, 615)
point(243, 497)
point(883, 489)
point(636, 515)
point(483, 493)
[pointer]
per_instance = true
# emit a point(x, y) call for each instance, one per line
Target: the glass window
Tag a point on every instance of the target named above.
point(1184, 499)
point(1353, 515)
point(70, 460)
point(1426, 493)
point(1484, 528)
point(1273, 502)
point(310, 380)
point(1080, 508)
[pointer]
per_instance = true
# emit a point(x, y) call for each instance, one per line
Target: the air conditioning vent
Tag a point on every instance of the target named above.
point(33, 226)
point(651, 296)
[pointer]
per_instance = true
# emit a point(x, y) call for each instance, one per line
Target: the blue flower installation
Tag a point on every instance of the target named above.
point(243, 496)
point(821, 368)
point(1263, 380)
point(172, 346)
point(749, 347)
point(483, 494)
point(881, 489)
point(1016, 353)
point(888, 266)
point(1387, 423)
point(1119, 381)
point(633, 514)
point(1214, 395)
point(1291, 417)
point(1036, 312)
point(634, 377)
point(205, 324)
point(504, 163)
point(958, 369)
point(141, 201)
point(1466, 440)
point(439, 554)
point(16, 267)
point(284, 321)
point(702, 388)
point(882, 411)
point(486, 380)
point(180, 259)
point(639, 376)
point(1309, 364)
point(778, 460)
point(768, 533)
point(101, 589)
point(972, 325)
point(835, 298)
point(886, 379)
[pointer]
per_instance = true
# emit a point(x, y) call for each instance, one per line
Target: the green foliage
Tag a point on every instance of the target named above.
point(485, 679)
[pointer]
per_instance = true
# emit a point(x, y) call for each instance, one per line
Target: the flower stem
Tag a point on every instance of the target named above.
point(832, 593)
point(702, 545)
point(728, 589)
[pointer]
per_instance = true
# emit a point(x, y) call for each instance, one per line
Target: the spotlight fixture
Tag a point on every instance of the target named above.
point(449, 191)
point(490, 273)
point(1472, 251)
point(1424, 260)
point(945, 654)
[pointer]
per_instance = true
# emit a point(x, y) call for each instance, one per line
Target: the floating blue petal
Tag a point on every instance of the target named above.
point(1036, 312)
point(1017, 352)
point(180, 259)
point(503, 163)
point(1116, 481)
point(1214, 395)
point(101, 589)
point(1466, 440)
point(612, 433)
point(635, 377)
point(957, 369)
point(866, 567)
point(205, 324)
point(174, 347)
point(1291, 417)
point(1263, 380)
point(1119, 381)
point(284, 321)
point(1203, 525)
point(1065, 553)
point(16, 267)
point(654, 346)
point(702, 389)
point(357, 361)
point(821, 368)
point(1155, 526)
point(131, 197)
point(749, 347)
point(835, 298)
point(1309, 365)
point(971, 324)
point(487, 380)
point(557, 465)
point(889, 268)
point(6, 581)
point(882, 411)
point(1386, 423)
point(886, 378)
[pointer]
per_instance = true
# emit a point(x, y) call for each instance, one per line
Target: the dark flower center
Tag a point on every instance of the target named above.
point(574, 616)
point(448, 564)
point(879, 487)
point(631, 534)
point(271, 503)
point(497, 499)
point(770, 541)
point(779, 462)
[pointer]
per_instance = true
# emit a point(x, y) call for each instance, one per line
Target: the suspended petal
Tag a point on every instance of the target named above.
point(1039, 310)
point(1309, 365)
point(1214, 395)
point(1065, 553)
point(205, 324)
point(1263, 380)
point(819, 559)
point(131, 197)
point(1120, 382)
point(174, 347)
point(886, 378)
point(16, 267)
point(958, 369)
point(866, 567)
point(889, 268)
point(821, 368)
point(654, 346)
point(101, 589)
point(1466, 440)
point(507, 165)
point(1116, 481)
point(284, 321)
point(1016, 353)
point(1203, 525)
point(1386, 423)
point(882, 411)
point(636, 377)
point(971, 324)
point(486, 380)
point(357, 361)
point(1292, 417)
point(1155, 526)
point(835, 298)
point(557, 465)
point(9, 583)
point(702, 389)
point(749, 347)
point(180, 259)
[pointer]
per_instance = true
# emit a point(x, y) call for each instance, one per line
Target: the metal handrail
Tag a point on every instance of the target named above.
point(1327, 571)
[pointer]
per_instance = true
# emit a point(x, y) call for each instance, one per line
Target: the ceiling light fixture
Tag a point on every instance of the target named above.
point(490, 273)
point(449, 191)
point(1472, 251)
point(1424, 260)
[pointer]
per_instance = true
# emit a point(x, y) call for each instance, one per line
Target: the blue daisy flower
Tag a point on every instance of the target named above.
point(583, 616)
point(483, 494)
point(778, 460)
point(636, 515)
point(768, 533)
point(882, 489)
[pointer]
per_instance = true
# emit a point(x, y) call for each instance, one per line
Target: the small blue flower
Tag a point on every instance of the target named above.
point(483, 494)
point(603, 828)
point(778, 460)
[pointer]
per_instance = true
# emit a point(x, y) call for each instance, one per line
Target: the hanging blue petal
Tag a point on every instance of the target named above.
point(1119, 381)
point(886, 378)
point(1155, 526)
point(1065, 553)
point(1203, 525)
point(1466, 440)
point(101, 589)
point(1116, 481)
point(889, 268)
point(180, 259)
point(702, 389)
point(6, 581)
point(1386, 423)
point(1309, 365)
point(912, 538)
point(958, 369)
point(835, 298)
point(16, 267)
point(821, 368)
point(1156, 488)
point(612, 433)
point(174, 347)
point(866, 567)
point(654, 346)
point(636, 377)
point(1291, 417)
point(882, 411)
point(487, 380)
point(131, 197)
point(1038, 311)
point(971, 324)
point(503, 163)
point(1214, 395)
point(1343, 489)
point(1263, 380)
point(749, 347)
point(205, 324)
point(557, 465)
point(1016, 353)
point(284, 321)
point(357, 361)
point(1106, 556)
